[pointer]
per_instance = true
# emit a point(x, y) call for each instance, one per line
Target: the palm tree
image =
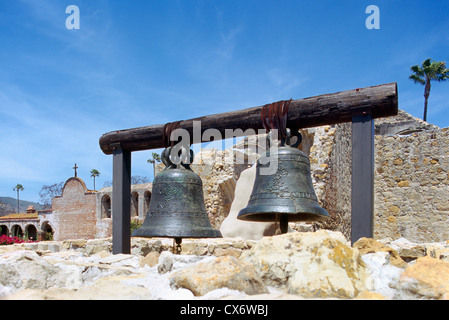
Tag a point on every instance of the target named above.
point(156, 158)
point(94, 173)
point(18, 188)
point(424, 74)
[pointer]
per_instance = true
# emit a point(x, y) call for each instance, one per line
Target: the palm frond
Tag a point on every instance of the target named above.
point(417, 79)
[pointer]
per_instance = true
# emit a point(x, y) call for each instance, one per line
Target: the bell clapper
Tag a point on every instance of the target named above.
point(280, 223)
point(177, 245)
point(283, 223)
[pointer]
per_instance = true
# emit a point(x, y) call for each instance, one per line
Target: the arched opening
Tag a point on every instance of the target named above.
point(134, 204)
point(17, 231)
point(31, 232)
point(105, 206)
point(147, 199)
point(48, 230)
point(4, 230)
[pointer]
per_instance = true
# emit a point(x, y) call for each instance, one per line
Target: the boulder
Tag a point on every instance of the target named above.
point(320, 264)
point(369, 245)
point(25, 269)
point(427, 278)
point(222, 272)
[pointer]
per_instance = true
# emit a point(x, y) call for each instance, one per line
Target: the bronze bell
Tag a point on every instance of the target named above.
point(177, 207)
point(287, 194)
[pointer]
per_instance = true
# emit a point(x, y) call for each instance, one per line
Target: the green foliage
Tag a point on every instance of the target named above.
point(18, 187)
point(135, 224)
point(429, 71)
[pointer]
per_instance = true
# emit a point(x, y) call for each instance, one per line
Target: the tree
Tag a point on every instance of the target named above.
point(49, 192)
point(156, 158)
point(18, 188)
point(134, 180)
point(429, 70)
point(94, 173)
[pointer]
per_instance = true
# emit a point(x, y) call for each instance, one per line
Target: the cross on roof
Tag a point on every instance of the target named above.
point(75, 167)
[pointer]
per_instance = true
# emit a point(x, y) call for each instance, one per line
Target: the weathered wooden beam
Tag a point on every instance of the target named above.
point(327, 109)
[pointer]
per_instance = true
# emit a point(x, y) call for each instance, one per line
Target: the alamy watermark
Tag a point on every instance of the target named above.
point(373, 20)
point(73, 20)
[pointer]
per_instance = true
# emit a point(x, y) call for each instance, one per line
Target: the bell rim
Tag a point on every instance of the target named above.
point(151, 232)
point(268, 213)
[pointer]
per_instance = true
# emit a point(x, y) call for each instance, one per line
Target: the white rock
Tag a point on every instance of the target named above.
point(26, 269)
point(165, 263)
point(384, 275)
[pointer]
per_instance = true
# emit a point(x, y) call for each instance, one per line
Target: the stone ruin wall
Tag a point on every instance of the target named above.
point(219, 175)
point(412, 186)
point(331, 173)
point(411, 178)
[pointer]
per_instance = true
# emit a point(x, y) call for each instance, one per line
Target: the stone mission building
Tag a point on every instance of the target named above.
point(78, 213)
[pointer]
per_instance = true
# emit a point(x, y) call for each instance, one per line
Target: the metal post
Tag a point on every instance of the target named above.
point(121, 200)
point(362, 177)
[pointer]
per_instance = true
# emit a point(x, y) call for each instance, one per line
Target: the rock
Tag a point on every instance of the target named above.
point(407, 250)
point(320, 264)
point(369, 245)
point(151, 259)
point(74, 244)
point(106, 288)
point(427, 278)
point(231, 227)
point(171, 262)
point(97, 245)
point(383, 272)
point(444, 255)
point(26, 269)
point(291, 266)
point(221, 272)
point(368, 295)
point(165, 263)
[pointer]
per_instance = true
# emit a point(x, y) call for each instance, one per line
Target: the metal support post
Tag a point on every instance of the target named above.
point(121, 200)
point(362, 176)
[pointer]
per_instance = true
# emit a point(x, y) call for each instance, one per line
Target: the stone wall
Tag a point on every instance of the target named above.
point(333, 176)
point(411, 177)
point(216, 173)
point(412, 186)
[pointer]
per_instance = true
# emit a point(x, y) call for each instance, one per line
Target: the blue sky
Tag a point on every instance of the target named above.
point(137, 63)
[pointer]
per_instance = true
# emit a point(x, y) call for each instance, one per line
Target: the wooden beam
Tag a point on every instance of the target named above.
point(327, 109)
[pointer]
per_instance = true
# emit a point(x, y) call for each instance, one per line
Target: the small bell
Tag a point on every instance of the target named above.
point(177, 207)
point(287, 194)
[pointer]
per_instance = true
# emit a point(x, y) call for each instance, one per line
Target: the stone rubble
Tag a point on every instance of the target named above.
point(297, 265)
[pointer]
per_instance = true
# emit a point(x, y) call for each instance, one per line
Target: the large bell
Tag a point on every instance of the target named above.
point(285, 195)
point(177, 207)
